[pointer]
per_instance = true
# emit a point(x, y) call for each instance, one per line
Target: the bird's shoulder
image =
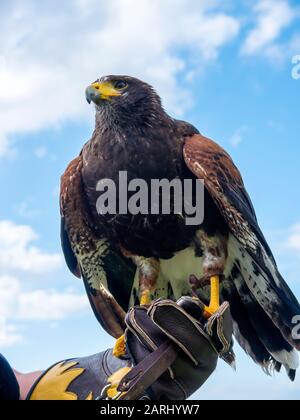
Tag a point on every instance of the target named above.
point(185, 129)
point(210, 160)
point(70, 179)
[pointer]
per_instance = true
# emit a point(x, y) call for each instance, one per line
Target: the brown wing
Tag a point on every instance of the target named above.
point(89, 256)
point(209, 162)
point(260, 285)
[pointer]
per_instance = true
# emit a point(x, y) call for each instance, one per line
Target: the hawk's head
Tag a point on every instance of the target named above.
point(124, 95)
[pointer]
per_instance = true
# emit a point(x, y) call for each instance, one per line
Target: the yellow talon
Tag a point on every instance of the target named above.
point(114, 381)
point(214, 297)
point(120, 347)
point(145, 298)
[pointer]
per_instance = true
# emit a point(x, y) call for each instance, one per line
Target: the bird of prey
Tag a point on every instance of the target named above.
point(127, 259)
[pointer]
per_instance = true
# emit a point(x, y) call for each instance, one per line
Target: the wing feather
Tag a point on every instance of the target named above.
point(107, 275)
point(208, 161)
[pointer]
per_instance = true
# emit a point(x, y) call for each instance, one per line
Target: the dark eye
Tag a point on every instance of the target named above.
point(120, 84)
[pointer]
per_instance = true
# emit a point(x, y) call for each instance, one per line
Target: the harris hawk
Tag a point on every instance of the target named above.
point(127, 259)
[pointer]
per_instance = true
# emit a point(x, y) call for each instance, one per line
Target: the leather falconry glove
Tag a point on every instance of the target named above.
point(174, 350)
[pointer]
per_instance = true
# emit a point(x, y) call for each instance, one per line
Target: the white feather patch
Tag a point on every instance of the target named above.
point(289, 359)
point(176, 271)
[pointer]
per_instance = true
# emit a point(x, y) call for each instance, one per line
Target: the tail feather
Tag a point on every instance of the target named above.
point(292, 375)
point(264, 289)
point(262, 312)
point(244, 331)
point(269, 334)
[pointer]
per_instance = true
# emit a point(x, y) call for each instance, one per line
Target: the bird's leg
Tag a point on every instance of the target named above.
point(214, 260)
point(148, 271)
point(214, 297)
point(148, 274)
point(145, 297)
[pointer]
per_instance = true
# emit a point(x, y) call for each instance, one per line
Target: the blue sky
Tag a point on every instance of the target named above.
point(224, 66)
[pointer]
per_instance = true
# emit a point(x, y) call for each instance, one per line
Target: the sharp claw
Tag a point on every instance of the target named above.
point(209, 311)
point(120, 347)
point(145, 298)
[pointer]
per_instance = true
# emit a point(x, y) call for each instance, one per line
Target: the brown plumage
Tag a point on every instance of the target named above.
point(120, 257)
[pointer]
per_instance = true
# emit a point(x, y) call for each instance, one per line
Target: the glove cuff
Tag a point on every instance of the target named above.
point(219, 327)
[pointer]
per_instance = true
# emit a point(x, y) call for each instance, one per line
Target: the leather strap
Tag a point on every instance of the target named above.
point(148, 371)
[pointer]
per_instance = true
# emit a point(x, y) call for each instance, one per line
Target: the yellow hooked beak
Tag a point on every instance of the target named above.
point(101, 91)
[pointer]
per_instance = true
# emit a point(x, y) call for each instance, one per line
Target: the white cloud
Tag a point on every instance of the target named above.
point(41, 152)
point(19, 302)
point(237, 137)
point(50, 305)
point(19, 305)
point(9, 335)
point(18, 253)
point(10, 290)
point(53, 50)
point(272, 17)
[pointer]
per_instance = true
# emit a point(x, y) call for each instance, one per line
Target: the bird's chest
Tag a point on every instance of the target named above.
point(141, 161)
point(141, 157)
